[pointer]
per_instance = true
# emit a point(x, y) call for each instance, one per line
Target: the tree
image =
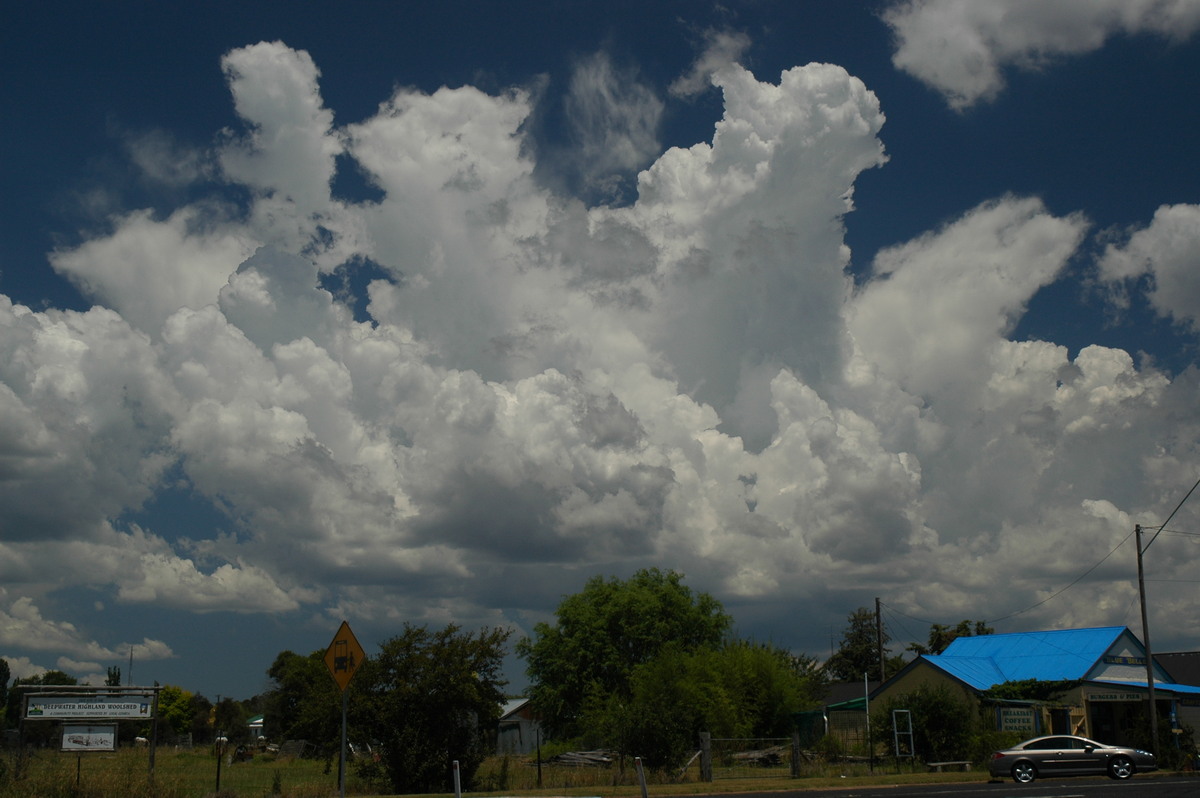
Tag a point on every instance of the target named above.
point(114, 677)
point(41, 733)
point(5, 675)
point(229, 717)
point(858, 653)
point(304, 703)
point(202, 719)
point(604, 632)
point(175, 709)
point(430, 698)
point(940, 637)
point(741, 689)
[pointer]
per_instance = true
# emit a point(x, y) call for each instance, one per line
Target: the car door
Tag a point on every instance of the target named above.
point(1049, 754)
point(1079, 756)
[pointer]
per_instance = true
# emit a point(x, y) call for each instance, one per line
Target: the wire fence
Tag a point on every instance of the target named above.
point(750, 757)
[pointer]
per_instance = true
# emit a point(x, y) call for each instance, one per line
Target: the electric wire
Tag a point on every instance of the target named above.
point(1172, 515)
point(1068, 587)
point(1080, 578)
point(1052, 596)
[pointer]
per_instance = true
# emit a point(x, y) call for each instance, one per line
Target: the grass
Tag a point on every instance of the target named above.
point(193, 774)
point(182, 774)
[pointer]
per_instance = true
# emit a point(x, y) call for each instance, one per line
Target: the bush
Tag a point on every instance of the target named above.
point(829, 748)
point(944, 726)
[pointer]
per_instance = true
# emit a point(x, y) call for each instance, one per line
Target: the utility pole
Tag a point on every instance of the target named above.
point(879, 641)
point(1146, 642)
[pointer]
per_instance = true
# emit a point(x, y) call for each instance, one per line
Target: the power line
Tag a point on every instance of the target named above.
point(1068, 587)
point(1078, 579)
point(910, 617)
point(1172, 515)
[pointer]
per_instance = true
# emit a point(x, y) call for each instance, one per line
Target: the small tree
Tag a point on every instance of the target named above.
point(431, 698)
point(175, 709)
point(859, 650)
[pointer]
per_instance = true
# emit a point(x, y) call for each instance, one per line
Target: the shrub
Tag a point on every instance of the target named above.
point(944, 725)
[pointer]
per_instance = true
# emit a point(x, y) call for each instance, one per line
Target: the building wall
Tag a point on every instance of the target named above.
point(1125, 661)
point(923, 675)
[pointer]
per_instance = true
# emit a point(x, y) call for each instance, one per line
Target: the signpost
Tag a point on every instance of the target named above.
point(343, 657)
point(115, 707)
point(86, 706)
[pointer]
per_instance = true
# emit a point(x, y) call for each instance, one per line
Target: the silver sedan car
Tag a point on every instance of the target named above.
point(1066, 755)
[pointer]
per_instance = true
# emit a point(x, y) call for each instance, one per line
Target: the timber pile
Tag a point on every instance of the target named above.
point(585, 758)
point(767, 757)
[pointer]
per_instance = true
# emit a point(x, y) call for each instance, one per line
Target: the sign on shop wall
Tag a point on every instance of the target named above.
point(1018, 720)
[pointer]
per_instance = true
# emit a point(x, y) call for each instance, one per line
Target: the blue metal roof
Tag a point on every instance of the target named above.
point(1167, 687)
point(982, 661)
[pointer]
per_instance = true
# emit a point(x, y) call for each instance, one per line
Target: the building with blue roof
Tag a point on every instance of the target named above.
point(1102, 671)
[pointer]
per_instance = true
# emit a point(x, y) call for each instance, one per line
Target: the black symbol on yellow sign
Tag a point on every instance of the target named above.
point(343, 656)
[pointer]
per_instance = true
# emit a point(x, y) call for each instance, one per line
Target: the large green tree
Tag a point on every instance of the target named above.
point(429, 698)
point(604, 632)
point(741, 689)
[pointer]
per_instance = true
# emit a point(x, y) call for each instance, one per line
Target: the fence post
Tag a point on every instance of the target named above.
point(795, 754)
point(706, 773)
point(637, 760)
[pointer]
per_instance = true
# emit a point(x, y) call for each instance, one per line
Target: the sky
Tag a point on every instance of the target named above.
point(428, 313)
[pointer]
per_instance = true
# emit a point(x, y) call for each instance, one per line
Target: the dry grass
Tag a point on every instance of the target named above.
point(183, 774)
point(193, 774)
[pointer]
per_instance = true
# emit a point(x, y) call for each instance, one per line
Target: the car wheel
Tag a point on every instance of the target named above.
point(1024, 772)
point(1121, 767)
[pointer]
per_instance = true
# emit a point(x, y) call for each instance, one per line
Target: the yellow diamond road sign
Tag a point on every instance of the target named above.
point(344, 656)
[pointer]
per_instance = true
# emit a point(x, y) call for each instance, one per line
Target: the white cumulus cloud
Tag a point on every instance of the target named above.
point(961, 48)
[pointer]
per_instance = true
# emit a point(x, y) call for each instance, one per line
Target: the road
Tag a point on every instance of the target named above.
point(1137, 787)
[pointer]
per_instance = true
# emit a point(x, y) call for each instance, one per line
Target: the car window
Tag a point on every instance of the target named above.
point(1049, 744)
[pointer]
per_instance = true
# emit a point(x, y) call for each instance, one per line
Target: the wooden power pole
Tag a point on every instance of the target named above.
point(879, 641)
point(1146, 642)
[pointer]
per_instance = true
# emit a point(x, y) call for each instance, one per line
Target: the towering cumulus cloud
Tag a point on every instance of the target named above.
point(531, 389)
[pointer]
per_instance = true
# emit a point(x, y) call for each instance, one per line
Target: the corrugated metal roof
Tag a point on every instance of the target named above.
point(1169, 687)
point(986, 660)
point(511, 706)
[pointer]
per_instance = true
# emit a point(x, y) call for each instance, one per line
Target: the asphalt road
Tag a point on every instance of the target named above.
point(1137, 787)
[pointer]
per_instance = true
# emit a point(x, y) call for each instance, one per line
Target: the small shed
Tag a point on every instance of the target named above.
point(518, 730)
point(255, 724)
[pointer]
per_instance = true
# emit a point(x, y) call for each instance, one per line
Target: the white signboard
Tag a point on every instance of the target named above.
point(84, 706)
point(89, 738)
